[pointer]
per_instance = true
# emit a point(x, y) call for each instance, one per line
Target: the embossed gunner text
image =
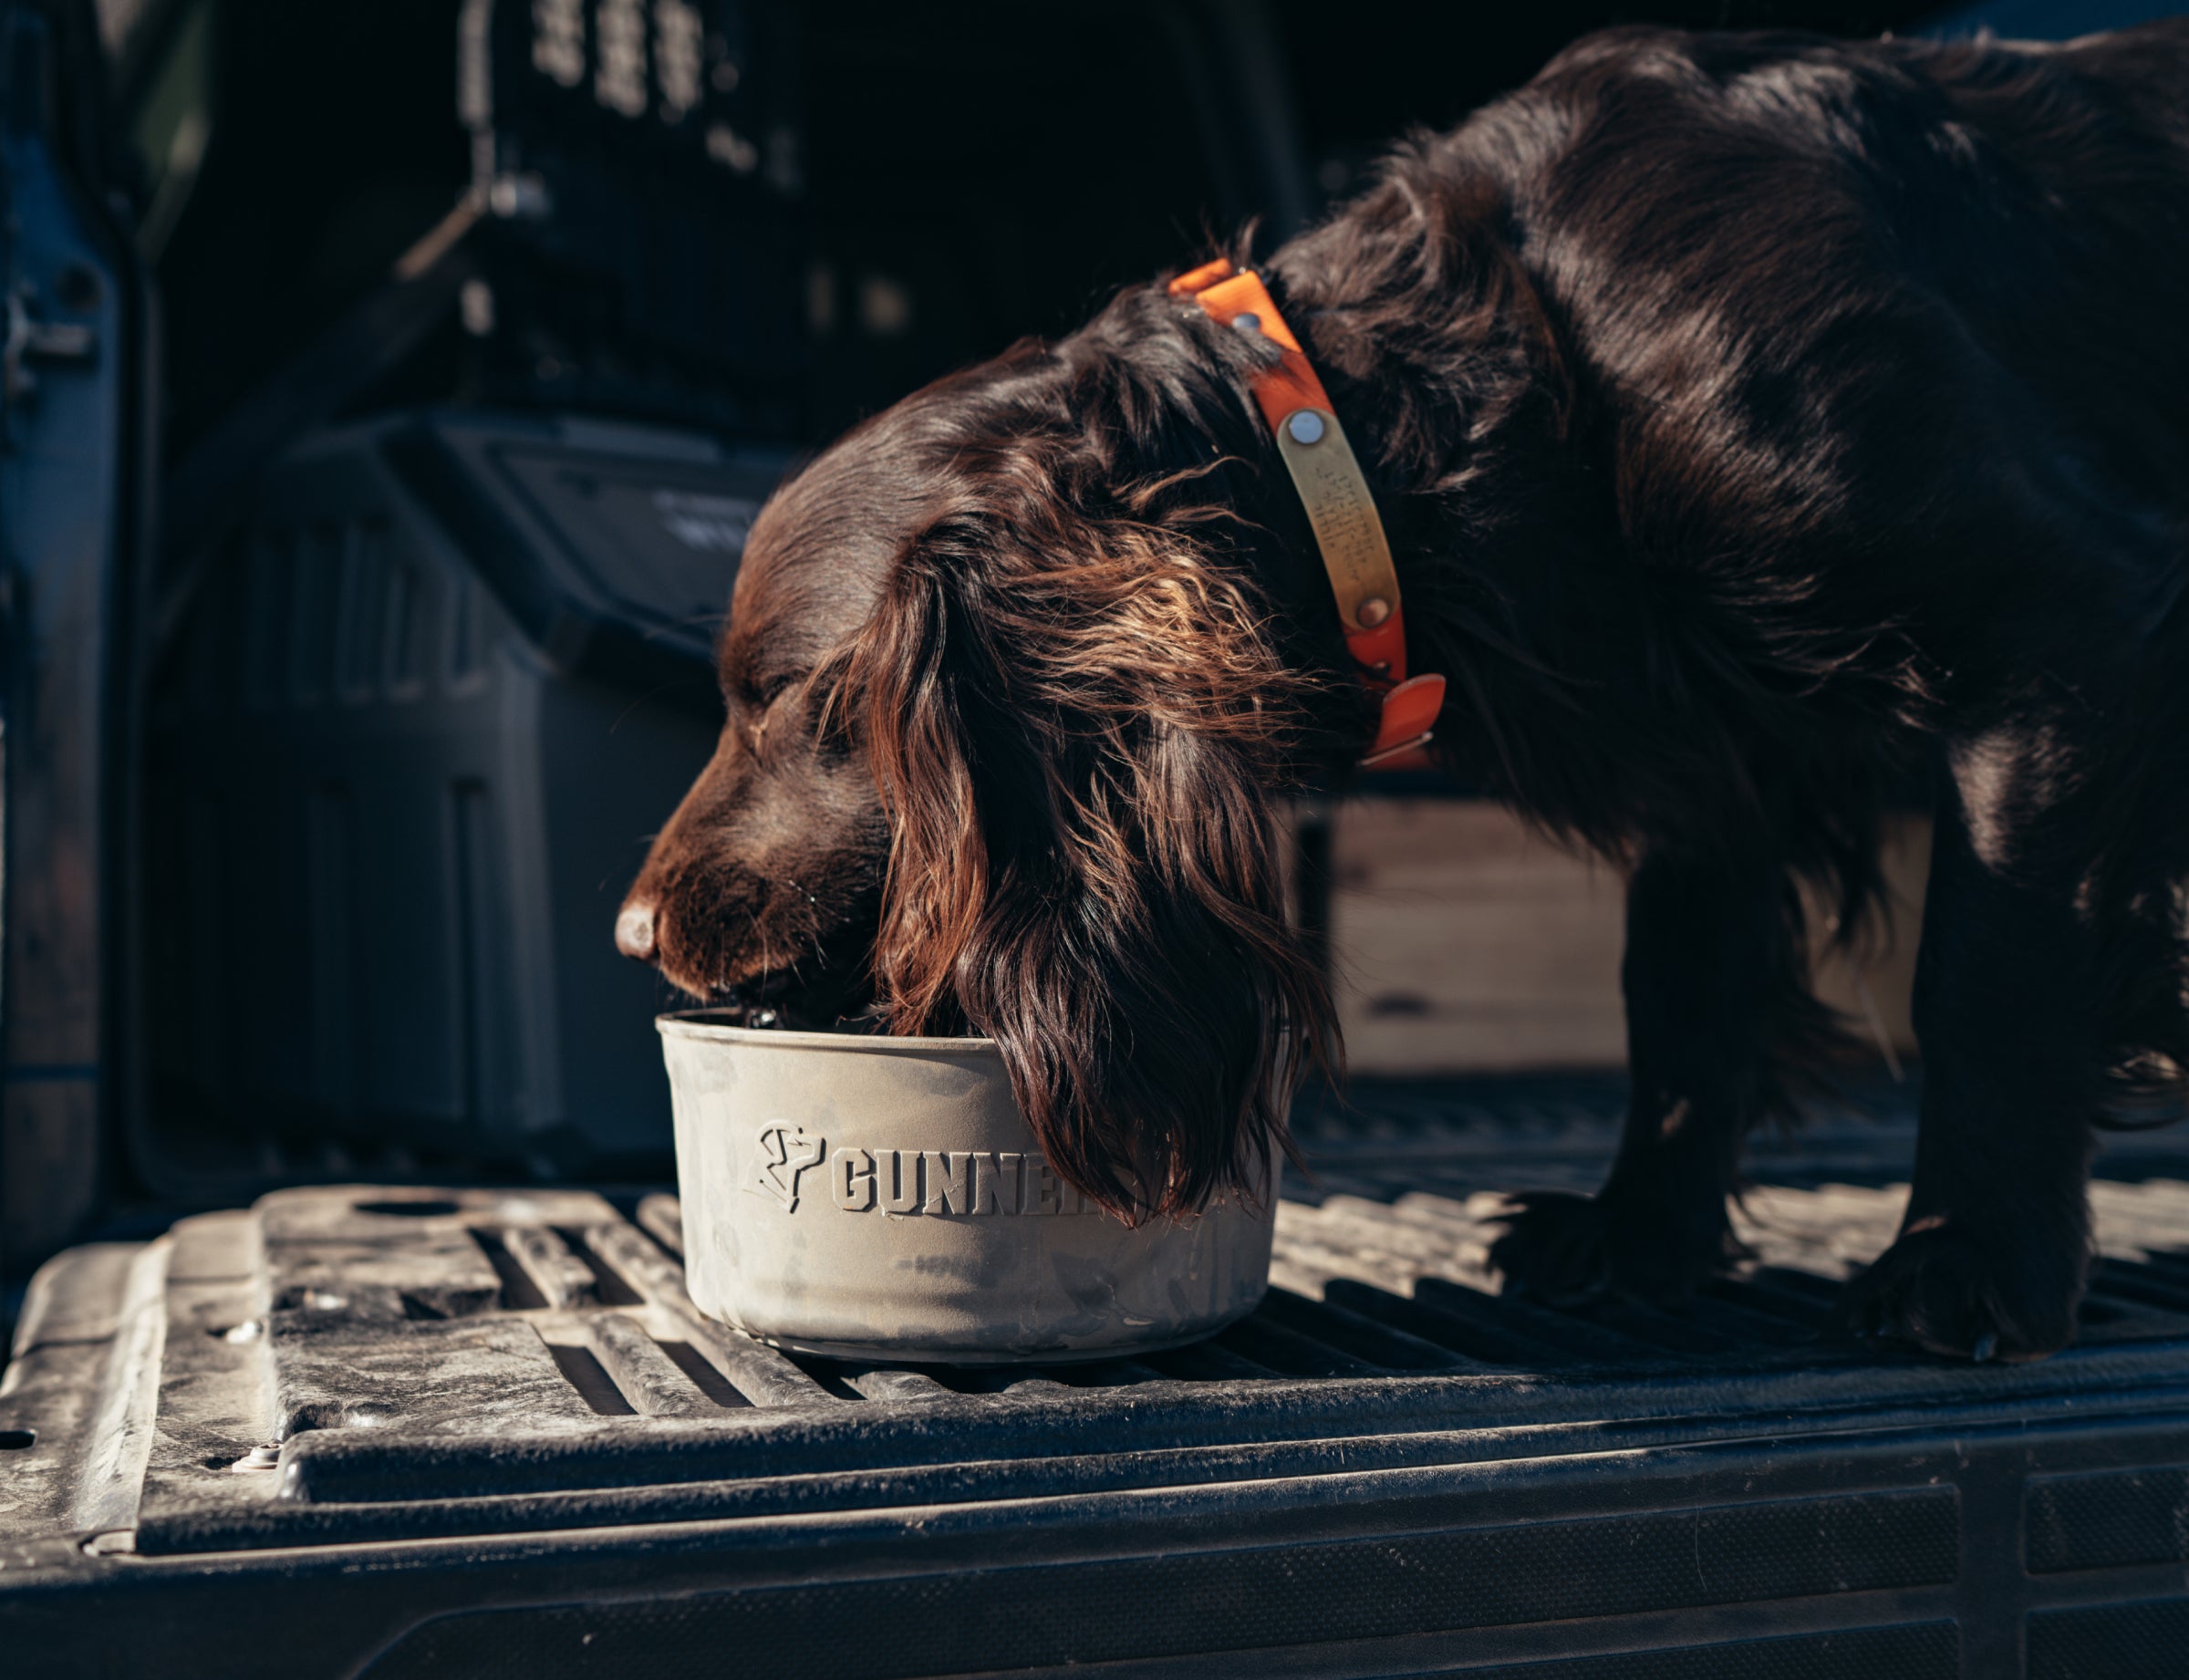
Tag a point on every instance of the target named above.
point(962, 1181)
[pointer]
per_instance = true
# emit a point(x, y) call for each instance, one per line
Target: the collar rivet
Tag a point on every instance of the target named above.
point(1306, 427)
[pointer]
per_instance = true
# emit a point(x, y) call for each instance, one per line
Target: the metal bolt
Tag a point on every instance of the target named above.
point(1372, 611)
point(519, 197)
point(1306, 427)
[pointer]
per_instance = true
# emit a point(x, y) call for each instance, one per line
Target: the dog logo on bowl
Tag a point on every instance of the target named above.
point(780, 1154)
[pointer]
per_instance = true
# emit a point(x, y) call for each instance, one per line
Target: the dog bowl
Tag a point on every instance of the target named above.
point(883, 1198)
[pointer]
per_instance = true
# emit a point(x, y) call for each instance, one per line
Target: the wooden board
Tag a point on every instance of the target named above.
point(1465, 942)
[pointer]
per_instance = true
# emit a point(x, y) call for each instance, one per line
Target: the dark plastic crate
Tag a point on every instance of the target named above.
point(420, 724)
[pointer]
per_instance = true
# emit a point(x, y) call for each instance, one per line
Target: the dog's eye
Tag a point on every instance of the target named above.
point(756, 695)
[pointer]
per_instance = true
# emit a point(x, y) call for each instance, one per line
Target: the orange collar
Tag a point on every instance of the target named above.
point(1340, 508)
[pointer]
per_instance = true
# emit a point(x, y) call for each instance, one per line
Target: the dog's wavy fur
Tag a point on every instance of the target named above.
point(1761, 424)
point(1075, 713)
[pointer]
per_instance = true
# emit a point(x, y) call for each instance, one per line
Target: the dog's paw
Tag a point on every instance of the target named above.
point(1554, 1249)
point(1968, 1294)
point(1566, 1251)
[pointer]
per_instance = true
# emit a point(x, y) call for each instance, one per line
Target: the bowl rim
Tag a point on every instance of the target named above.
point(704, 1024)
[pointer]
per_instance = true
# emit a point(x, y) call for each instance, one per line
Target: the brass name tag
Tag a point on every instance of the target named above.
point(1342, 512)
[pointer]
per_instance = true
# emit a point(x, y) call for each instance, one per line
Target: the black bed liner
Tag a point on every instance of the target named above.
point(495, 1437)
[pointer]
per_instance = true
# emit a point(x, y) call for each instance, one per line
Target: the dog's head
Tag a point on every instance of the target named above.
point(1010, 712)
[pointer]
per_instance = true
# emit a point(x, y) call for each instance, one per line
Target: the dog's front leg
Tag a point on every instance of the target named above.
point(1712, 969)
point(1993, 1247)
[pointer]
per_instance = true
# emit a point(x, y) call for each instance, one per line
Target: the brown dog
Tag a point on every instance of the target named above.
point(1756, 420)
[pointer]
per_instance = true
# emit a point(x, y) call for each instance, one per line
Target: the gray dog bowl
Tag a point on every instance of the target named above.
point(876, 1198)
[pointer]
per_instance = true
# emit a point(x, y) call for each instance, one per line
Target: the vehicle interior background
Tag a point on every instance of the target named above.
point(404, 217)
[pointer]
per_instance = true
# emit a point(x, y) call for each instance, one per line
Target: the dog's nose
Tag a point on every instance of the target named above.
point(635, 931)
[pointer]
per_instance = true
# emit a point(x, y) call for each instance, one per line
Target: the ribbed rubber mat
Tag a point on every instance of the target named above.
point(2146, 1641)
point(1233, 1601)
point(1924, 1651)
point(2105, 1521)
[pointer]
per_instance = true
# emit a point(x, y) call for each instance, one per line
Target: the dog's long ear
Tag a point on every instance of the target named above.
point(1082, 730)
